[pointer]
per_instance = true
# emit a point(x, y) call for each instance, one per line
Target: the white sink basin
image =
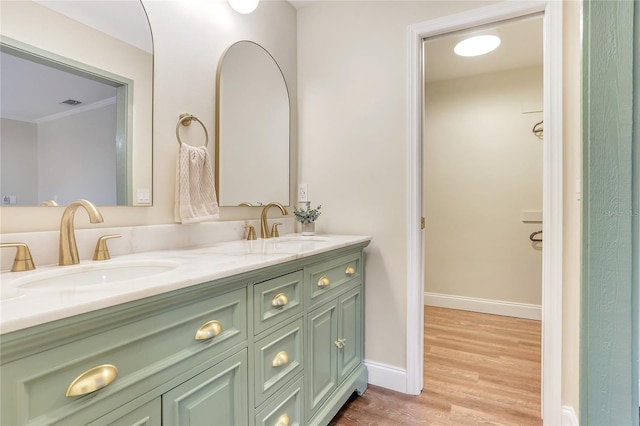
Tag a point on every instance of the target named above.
point(299, 239)
point(281, 245)
point(95, 274)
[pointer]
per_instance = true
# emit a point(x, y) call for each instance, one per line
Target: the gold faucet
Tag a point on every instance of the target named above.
point(68, 247)
point(264, 228)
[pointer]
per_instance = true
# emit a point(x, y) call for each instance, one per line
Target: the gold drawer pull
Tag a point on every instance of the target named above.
point(280, 359)
point(279, 300)
point(92, 380)
point(323, 282)
point(350, 270)
point(209, 330)
point(283, 420)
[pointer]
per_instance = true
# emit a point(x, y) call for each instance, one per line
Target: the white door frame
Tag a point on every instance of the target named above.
point(552, 191)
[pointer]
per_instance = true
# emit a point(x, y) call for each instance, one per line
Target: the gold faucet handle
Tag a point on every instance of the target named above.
point(23, 260)
point(274, 230)
point(102, 251)
point(251, 235)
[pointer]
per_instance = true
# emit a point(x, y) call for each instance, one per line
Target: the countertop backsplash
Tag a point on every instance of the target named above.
point(44, 246)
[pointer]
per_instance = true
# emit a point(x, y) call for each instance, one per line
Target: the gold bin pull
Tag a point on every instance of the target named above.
point(281, 358)
point(350, 270)
point(92, 380)
point(209, 330)
point(324, 282)
point(283, 420)
point(280, 300)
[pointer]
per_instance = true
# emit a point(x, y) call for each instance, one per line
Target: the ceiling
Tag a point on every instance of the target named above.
point(521, 47)
point(25, 101)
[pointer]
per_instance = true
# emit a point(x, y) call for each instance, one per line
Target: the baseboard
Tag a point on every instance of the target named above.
point(486, 306)
point(569, 417)
point(387, 376)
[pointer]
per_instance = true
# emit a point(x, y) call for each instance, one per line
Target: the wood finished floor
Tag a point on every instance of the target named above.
point(480, 369)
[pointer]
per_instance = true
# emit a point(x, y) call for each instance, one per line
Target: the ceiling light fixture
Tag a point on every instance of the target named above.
point(477, 45)
point(244, 6)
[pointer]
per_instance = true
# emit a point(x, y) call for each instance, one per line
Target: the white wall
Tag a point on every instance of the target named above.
point(77, 157)
point(19, 156)
point(482, 170)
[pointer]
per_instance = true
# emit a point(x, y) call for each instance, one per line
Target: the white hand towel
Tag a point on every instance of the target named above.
point(195, 199)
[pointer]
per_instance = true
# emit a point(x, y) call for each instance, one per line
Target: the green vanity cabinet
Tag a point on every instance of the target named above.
point(335, 339)
point(335, 347)
point(277, 345)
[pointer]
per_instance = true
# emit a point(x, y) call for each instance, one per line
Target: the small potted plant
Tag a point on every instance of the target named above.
point(307, 217)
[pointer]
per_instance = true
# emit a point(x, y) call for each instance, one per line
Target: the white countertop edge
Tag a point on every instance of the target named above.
point(197, 265)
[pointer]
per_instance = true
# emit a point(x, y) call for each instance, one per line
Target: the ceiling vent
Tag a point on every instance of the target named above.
point(71, 102)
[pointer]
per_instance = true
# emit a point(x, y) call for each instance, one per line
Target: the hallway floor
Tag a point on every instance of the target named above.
point(480, 369)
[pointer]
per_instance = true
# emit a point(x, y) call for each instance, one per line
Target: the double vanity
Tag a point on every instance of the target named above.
point(264, 332)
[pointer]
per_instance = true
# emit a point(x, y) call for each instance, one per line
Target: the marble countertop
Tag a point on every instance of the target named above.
point(22, 306)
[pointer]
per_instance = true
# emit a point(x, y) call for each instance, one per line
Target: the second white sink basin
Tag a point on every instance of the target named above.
point(95, 274)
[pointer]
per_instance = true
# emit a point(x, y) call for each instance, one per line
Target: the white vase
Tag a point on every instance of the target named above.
point(308, 228)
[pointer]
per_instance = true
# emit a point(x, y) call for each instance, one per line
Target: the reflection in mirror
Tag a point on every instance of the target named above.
point(252, 137)
point(70, 127)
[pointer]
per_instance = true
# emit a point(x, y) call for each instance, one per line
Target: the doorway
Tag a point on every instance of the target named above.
point(552, 190)
point(482, 168)
point(482, 195)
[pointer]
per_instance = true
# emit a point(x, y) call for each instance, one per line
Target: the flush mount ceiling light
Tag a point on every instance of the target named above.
point(477, 45)
point(244, 6)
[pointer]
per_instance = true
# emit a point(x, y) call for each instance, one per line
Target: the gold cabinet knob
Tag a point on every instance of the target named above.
point(281, 358)
point(279, 300)
point(209, 330)
point(340, 343)
point(283, 420)
point(350, 270)
point(92, 380)
point(324, 282)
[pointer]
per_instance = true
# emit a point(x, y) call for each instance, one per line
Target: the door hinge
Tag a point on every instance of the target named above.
point(422, 222)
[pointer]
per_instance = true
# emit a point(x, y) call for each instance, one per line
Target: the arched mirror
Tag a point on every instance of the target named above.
point(252, 137)
point(76, 103)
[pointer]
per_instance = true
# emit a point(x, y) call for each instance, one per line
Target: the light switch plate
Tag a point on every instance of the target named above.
point(303, 193)
point(143, 196)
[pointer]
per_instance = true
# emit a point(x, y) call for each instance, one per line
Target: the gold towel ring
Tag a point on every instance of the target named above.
point(185, 120)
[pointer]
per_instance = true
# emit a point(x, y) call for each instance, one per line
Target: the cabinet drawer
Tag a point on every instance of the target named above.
point(325, 279)
point(278, 358)
point(286, 409)
point(142, 352)
point(276, 300)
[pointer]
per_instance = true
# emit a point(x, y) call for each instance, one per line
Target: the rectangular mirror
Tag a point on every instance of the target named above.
point(76, 121)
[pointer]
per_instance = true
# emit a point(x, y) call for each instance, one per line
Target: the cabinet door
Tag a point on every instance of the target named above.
point(349, 333)
point(217, 396)
point(322, 369)
point(149, 414)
